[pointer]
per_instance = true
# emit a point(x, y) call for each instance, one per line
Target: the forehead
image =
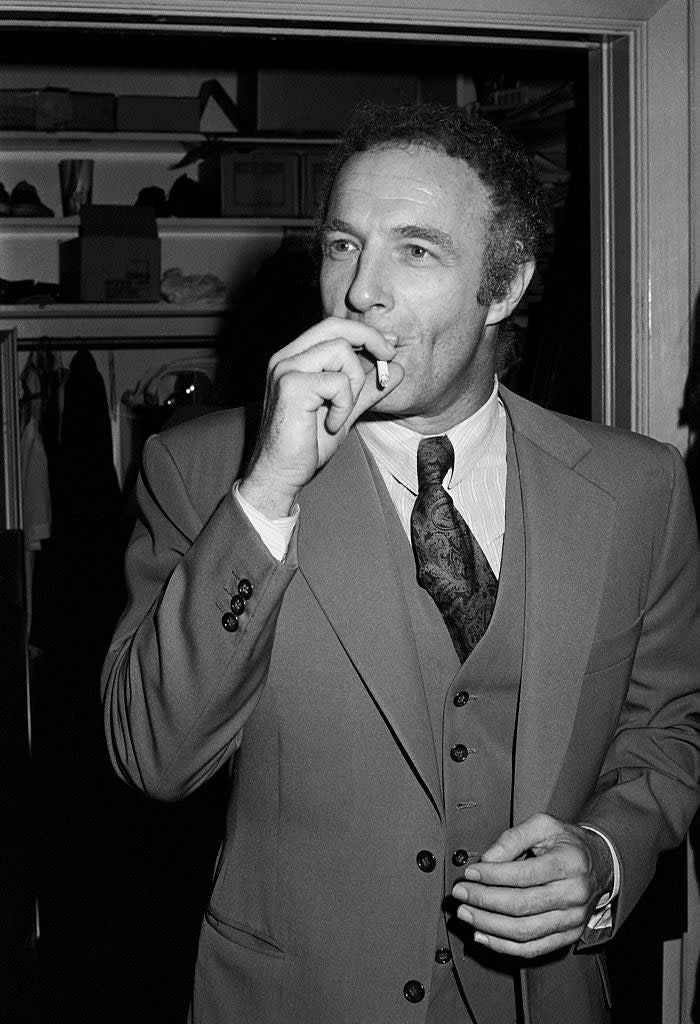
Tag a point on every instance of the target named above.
point(410, 185)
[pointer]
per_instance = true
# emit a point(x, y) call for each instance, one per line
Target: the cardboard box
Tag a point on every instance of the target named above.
point(290, 100)
point(258, 183)
point(35, 109)
point(115, 258)
point(157, 113)
point(92, 112)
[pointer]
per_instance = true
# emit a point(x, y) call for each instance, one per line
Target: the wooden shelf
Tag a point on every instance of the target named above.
point(136, 144)
point(167, 226)
point(114, 324)
point(78, 310)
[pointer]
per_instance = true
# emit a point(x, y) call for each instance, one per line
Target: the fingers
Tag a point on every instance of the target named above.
point(565, 895)
point(522, 837)
point(326, 357)
point(318, 370)
point(561, 861)
point(558, 896)
point(526, 929)
point(354, 333)
point(528, 949)
point(525, 923)
point(529, 906)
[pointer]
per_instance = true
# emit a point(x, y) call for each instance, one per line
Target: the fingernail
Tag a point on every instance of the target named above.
point(472, 875)
point(460, 893)
point(465, 914)
point(480, 937)
point(392, 338)
point(493, 851)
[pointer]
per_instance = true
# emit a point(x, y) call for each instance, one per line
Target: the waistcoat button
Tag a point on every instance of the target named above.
point(459, 752)
point(460, 857)
point(426, 860)
point(413, 991)
point(460, 698)
point(443, 955)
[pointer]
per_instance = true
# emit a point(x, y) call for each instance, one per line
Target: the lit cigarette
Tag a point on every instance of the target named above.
point(382, 374)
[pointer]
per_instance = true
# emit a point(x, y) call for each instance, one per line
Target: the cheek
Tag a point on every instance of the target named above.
point(333, 288)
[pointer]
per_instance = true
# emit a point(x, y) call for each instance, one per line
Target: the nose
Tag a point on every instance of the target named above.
point(370, 287)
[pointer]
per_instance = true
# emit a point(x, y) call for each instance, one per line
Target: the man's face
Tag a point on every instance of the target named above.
point(402, 251)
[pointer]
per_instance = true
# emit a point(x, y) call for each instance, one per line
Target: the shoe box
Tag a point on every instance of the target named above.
point(263, 182)
point(116, 256)
point(295, 100)
point(35, 109)
point(157, 113)
point(255, 183)
point(54, 110)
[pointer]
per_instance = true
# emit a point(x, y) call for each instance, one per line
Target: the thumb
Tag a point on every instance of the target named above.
point(371, 393)
point(516, 841)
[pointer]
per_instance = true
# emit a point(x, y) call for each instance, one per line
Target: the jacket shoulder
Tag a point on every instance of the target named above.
point(615, 459)
point(622, 459)
point(207, 451)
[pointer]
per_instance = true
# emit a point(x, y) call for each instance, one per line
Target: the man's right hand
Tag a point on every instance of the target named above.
point(317, 387)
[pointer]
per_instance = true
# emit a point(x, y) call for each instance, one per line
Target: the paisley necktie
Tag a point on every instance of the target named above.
point(451, 565)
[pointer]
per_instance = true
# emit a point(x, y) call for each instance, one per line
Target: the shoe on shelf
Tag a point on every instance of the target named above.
point(154, 197)
point(4, 202)
point(25, 202)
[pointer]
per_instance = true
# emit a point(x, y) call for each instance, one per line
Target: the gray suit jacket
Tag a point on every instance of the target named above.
point(316, 913)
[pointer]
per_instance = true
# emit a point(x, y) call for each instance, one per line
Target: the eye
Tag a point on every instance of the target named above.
point(418, 252)
point(338, 248)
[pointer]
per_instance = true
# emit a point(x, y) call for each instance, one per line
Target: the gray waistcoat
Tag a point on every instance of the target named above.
point(476, 791)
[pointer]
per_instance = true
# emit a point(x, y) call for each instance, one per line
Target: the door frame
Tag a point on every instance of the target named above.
point(645, 153)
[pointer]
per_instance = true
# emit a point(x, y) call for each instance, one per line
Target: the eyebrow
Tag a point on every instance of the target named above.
point(424, 232)
point(427, 234)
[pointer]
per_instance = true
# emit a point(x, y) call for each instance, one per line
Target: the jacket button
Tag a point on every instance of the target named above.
point(413, 991)
point(237, 604)
point(459, 752)
point(426, 860)
point(460, 857)
point(460, 698)
point(442, 955)
point(230, 622)
point(245, 589)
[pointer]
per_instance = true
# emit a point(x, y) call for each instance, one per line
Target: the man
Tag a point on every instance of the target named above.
point(458, 748)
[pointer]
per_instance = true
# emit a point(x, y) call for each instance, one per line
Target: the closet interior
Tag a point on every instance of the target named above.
point(182, 128)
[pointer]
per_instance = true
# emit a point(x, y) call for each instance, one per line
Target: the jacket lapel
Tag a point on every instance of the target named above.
point(568, 525)
point(345, 556)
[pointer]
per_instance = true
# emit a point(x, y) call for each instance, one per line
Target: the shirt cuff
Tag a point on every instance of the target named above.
point(274, 533)
point(602, 916)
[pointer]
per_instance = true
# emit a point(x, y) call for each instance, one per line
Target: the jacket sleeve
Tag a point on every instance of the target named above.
point(648, 788)
point(178, 687)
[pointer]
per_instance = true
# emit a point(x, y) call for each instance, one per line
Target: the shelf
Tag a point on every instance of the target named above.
point(127, 324)
point(167, 226)
point(136, 144)
point(80, 310)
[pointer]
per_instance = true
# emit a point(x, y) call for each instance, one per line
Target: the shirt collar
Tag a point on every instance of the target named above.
point(395, 446)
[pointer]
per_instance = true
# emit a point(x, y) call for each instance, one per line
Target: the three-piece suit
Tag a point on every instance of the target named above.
point(366, 764)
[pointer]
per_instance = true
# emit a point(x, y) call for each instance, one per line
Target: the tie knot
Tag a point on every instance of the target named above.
point(436, 457)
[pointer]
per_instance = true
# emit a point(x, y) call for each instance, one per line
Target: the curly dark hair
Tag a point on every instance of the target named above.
point(519, 212)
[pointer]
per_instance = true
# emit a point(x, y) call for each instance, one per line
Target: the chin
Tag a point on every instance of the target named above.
point(396, 403)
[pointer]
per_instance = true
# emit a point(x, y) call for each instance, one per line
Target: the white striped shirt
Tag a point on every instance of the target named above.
point(476, 484)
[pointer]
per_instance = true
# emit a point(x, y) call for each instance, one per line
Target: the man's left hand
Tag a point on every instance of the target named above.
point(535, 888)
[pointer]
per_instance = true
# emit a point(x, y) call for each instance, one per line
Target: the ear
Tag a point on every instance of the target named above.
point(504, 307)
